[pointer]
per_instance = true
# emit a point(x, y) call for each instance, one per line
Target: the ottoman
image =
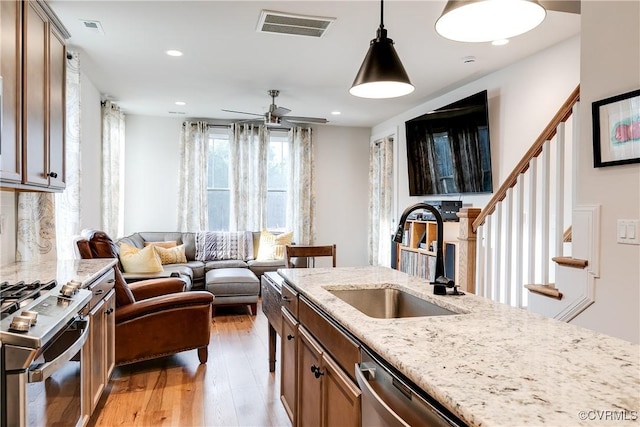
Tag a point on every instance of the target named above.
point(233, 286)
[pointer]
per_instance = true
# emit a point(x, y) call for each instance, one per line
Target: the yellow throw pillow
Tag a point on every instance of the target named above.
point(136, 260)
point(171, 255)
point(167, 244)
point(272, 246)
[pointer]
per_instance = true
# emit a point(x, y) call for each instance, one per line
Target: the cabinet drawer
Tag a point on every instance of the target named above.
point(342, 348)
point(101, 287)
point(290, 299)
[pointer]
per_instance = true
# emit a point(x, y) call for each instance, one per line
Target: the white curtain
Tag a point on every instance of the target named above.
point(67, 203)
point(380, 201)
point(193, 206)
point(300, 194)
point(248, 162)
point(112, 170)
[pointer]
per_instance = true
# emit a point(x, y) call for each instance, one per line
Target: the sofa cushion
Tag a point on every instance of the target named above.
point(228, 263)
point(171, 255)
point(166, 244)
point(135, 260)
point(260, 267)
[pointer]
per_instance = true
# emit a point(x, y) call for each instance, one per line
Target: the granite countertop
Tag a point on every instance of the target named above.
point(84, 270)
point(492, 365)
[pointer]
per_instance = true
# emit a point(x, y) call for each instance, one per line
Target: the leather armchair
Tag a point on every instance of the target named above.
point(153, 317)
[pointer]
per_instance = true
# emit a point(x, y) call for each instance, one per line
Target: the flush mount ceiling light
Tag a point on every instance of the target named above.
point(381, 74)
point(488, 20)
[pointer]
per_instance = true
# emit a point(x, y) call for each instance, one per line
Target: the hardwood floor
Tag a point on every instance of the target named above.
point(234, 388)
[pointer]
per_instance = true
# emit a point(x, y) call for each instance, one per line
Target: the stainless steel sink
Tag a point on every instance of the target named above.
point(389, 303)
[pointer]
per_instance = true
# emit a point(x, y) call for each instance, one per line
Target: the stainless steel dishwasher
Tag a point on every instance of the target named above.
point(390, 401)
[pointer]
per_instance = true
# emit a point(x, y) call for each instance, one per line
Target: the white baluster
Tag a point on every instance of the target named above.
point(497, 253)
point(545, 175)
point(488, 282)
point(519, 240)
point(531, 217)
point(560, 136)
point(481, 248)
point(508, 238)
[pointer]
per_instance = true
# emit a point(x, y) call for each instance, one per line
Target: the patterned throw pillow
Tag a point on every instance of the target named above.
point(171, 255)
point(136, 260)
point(272, 246)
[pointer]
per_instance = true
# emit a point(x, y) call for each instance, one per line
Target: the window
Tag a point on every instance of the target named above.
point(218, 191)
point(218, 180)
point(278, 160)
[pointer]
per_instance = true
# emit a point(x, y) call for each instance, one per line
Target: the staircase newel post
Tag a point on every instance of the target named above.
point(467, 249)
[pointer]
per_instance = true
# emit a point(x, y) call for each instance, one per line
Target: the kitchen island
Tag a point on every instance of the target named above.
point(492, 364)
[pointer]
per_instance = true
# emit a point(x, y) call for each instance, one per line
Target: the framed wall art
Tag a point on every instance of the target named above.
point(616, 130)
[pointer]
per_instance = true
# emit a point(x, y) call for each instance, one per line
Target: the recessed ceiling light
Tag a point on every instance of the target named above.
point(336, 113)
point(500, 42)
point(181, 103)
point(174, 53)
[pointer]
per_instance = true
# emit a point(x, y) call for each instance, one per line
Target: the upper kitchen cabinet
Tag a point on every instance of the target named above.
point(33, 143)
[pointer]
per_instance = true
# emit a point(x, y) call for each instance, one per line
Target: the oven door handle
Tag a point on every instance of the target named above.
point(44, 370)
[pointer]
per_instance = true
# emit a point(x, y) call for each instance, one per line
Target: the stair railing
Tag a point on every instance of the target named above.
point(521, 228)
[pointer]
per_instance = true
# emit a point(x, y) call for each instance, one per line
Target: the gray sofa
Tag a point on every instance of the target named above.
point(193, 272)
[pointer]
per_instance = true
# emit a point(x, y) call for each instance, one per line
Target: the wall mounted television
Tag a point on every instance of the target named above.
point(448, 149)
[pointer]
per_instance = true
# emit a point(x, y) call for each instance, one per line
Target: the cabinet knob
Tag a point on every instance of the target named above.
point(290, 337)
point(109, 311)
point(317, 372)
point(99, 292)
point(286, 298)
point(52, 174)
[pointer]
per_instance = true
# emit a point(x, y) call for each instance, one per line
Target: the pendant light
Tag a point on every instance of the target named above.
point(381, 74)
point(488, 20)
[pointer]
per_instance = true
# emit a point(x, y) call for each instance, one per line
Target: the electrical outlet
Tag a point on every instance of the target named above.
point(628, 231)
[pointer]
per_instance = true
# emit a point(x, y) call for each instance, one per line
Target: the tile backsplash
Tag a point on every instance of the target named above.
point(8, 226)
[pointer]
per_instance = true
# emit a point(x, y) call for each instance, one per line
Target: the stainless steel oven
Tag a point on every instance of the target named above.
point(388, 400)
point(44, 346)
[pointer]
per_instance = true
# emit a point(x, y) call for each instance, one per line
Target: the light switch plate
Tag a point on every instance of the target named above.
point(628, 231)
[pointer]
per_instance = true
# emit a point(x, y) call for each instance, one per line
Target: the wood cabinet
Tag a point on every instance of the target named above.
point(416, 255)
point(317, 368)
point(101, 342)
point(289, 363)
point(33, 70)
point(11, 72)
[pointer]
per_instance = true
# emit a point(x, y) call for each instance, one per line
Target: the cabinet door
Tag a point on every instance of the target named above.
point(110, 334)
point(340, 396)
point(98, 350)
point(288, 364)
point(35, 33)
point(309, 380)
point(11, 91)
point(57, 107)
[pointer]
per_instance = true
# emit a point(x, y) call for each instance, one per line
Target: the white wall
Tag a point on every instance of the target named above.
point(152, 162)
point(523, 98)
point(342, 191)
point(610, 66)
point(91, 154)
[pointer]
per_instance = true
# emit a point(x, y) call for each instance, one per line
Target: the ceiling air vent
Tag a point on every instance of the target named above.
point(298, 25)
point(93, 26)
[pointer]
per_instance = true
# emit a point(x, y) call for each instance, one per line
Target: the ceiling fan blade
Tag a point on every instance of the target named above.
point(569, 6)
point(294, 119)
point(243, 112)
point(280, 111)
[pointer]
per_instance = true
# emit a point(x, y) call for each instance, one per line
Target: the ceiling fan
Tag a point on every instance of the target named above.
point(276, 115)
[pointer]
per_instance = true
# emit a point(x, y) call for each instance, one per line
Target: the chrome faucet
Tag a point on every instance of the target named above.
point(441, 282)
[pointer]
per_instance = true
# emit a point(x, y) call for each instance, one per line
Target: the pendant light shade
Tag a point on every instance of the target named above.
point(488, 20)
point(381, 74)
